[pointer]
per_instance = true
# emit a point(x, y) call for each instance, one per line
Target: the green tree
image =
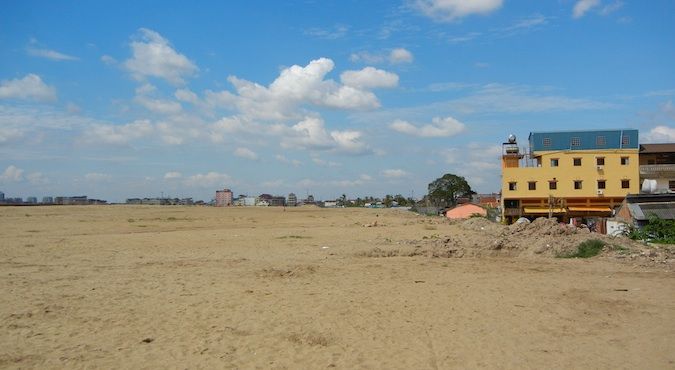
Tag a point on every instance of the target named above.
point(445, 190)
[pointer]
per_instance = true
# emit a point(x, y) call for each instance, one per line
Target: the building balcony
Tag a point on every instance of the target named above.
point(657, 170)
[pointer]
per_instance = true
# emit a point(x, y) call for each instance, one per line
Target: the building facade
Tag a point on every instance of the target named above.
point(292, 200)
point(657, 168)
point(569, 174)
point(223, 198)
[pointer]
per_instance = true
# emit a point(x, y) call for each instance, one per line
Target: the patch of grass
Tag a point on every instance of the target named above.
point(131, 220)
point(587, 249)
point(430, 227)
point(171, 219)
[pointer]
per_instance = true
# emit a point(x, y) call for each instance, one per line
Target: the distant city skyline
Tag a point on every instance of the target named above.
point(120, 100)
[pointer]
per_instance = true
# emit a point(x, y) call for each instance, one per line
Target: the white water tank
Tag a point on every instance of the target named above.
point(649, 186)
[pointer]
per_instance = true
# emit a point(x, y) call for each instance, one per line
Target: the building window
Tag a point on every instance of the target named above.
point(600, 161)
point(577, 184)
point(671, 185)
point(553, 184)
point(601, 184)
point(575, 141)
point(532, 185)
point(625, 184)
point(554, 162)
point(577, 162)
point(624, 161)
point(547, 141)
point(600, 141)
point(625, 140)
point(512, 186)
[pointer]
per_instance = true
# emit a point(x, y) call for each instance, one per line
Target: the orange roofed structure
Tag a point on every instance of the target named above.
point(465, 211)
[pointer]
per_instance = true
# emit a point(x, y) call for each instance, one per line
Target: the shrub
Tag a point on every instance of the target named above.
point(657, 230)
point(589, 248)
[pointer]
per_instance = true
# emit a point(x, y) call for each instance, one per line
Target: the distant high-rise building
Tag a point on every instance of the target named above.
point(292, 200)
point(223, 198)
point(47, 200)
point(32, 200)
point(2, 196)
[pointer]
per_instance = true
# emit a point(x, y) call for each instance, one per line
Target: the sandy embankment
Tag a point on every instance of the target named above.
point(180, 287)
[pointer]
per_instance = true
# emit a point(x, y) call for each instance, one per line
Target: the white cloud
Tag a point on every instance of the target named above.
point(187, 96)
point(400, 55)
point(295, 86)
point(245, 153)
point(172, 175)
point(369, 78)
point(452, 10)
point(107, 59)
point(583, 6)
point(73, 108)
point(285, 160)
point(30, 87)
point(11, 174)
point(311, 134)
point(118, 134)
point(49, 54)
point(8, 134)
point(439, 127)
point(97, 177)
point(324, 163)
point(477, 162)
point(153, 56)
point(208, 180)
point(394, 56)
point(394, 173)
point(159, 105)
point(660, 134)
point(337, 32)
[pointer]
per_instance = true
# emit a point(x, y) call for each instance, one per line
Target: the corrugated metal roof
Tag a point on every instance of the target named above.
point(664, 211)
point(657, 148)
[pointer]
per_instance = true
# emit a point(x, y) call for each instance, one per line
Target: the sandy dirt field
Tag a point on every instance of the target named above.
point(191, 287)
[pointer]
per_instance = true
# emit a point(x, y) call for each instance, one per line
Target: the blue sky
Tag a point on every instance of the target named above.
point(134, 99)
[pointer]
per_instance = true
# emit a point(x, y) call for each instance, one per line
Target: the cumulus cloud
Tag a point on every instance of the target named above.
point(172, 175)
point(439, 127)
point(153, 56)
point(394, 173)
point(30, 87)
point(11, 174)
point(311, 134)
point(208, 180)
point(452, 10)
point(295, 86)
point(245, 153)
point(160, 106)
point(369, 78)
point(583, 6)
point(660, 134)
point(400, 55)
point(118, 134)
point(394, 56)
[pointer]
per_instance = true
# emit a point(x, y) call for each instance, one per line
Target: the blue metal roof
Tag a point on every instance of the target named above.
point(584, 140)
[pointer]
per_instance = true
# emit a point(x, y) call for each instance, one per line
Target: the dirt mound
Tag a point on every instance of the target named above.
point(542, 226)
point(482, 224)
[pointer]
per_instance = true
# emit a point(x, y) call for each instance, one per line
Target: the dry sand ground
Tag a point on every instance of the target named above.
point(189, 287)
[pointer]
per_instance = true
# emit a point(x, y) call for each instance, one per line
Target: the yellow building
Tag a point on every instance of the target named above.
point(569, 174)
